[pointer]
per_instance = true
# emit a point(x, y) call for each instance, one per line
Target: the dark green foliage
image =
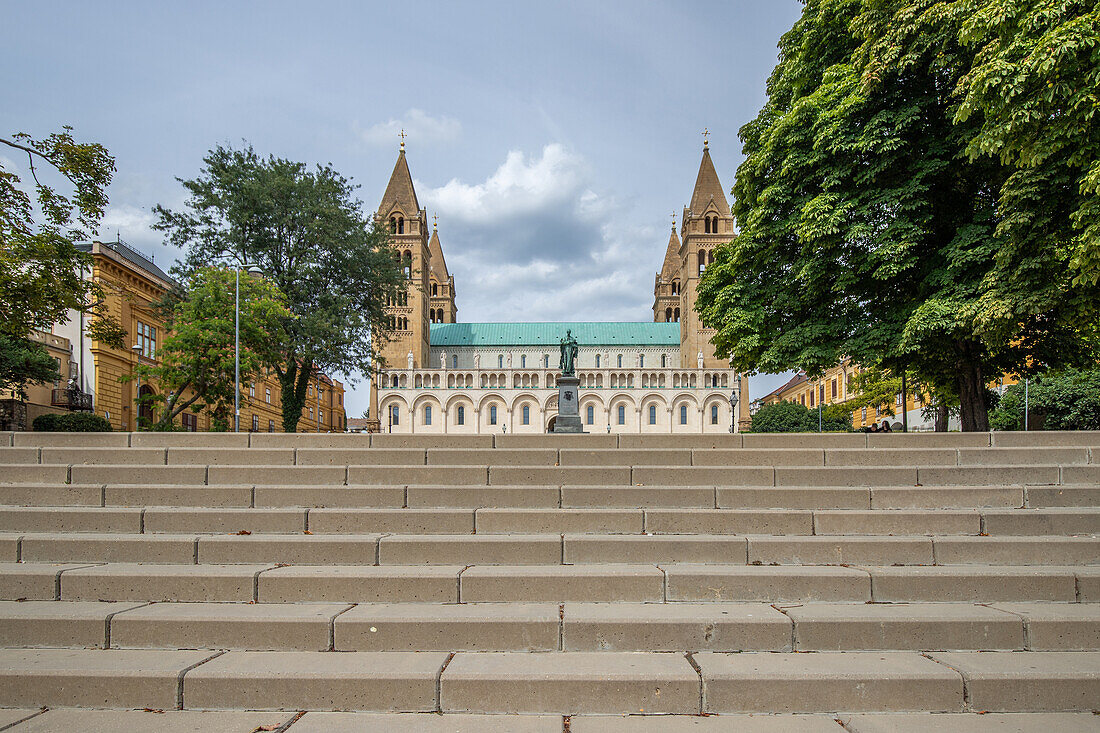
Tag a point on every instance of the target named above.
point(22, 362)
point(305, 229)
point(1066, 400)
point(791, 417)
point(71, 422)
point(867, 232)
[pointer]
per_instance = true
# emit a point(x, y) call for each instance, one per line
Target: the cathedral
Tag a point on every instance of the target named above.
point(444, 376)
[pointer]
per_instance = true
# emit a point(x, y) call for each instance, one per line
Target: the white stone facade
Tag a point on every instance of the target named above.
point(490, 400)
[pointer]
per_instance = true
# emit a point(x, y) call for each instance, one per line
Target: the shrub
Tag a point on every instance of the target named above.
point(71, 422)
point(1065, 400)
point(791, 417)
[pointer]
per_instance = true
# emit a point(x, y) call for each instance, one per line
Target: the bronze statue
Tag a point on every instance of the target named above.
point(568, 362)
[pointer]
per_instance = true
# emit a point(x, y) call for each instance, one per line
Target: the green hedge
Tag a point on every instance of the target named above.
point(791, 417)
point(71, 422)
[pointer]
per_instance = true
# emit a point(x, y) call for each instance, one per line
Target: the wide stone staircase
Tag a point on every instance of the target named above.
point(633, 583)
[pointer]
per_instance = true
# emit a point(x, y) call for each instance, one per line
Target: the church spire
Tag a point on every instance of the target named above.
point(400, 193)
point(707, 186)
point(670, 270)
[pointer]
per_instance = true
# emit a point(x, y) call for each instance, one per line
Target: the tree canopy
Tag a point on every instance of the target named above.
point(196, 356)
point(874, 226)
point(306, 231)
point(43, 271)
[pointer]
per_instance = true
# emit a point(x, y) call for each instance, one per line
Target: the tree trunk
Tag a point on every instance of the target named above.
point(973, 409)
point(942, 417)
point(293, 382)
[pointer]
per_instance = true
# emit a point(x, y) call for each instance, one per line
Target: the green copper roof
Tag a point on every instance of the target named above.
point(587, 333)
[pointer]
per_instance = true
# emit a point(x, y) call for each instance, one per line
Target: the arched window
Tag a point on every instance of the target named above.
point(523, 364)
point(500, 361)
point(590, 414)
point(400, 225)
point(641, 360)
point(526, 414)
point(492, 414)
point(668, 315)
point(676, 315)
point(710, 257)
point(461, 416)
point(702, 261)
point(664, 360)
point(454, 361)
point(622, 414)
point(393, 225)
point(619, 362)
point(683, 414)
point(395, 415)
point(653, 414)
point(435, 288)
point(597, 366)
point(427, 414)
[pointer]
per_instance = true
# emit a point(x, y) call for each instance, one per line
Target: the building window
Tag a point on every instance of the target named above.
point(435, 289)
point(523, 361)
point(255, 423)
point(309, 391)
point(321, 416)
point(597, 361)
point(897, 399)
point(653, 414)
point(863, 414)
point(492, 414)
point(526, 415)
point(641, 360)
point(427, 414)
point(834, 388)
point(454, 361)
point(664, 360)
point(714, 414)
point(395, 415)
point(683, 414)
point(147, 340)
point(311, 413)
point(590, 414)
point(252, 390)
point(271, 426)
point(622, 414)
point(461, 418)
point(546, 361)
point(619, 361)
point(190, 422)
point(811, 399)
point(500, 361)
point(267, 395)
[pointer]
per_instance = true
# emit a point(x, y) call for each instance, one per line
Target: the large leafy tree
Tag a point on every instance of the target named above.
point(196, 357)
point(305, 229)
point(43, 278)
point(865, 229)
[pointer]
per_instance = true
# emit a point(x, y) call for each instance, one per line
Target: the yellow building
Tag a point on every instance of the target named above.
point(41, 398)
point(132, 283)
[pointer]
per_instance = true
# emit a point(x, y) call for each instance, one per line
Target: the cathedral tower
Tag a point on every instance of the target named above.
point(666, 284)
point(707, 223)
point(441, 304)
point(408, 226)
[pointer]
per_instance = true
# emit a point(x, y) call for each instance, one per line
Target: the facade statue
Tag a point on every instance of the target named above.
point(442, 359)
point(477, 361)
point(568, 361)
point(699, 361)
point(410, 360)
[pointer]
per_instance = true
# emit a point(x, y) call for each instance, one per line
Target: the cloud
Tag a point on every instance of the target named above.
point(417, 124)
point(536, 241)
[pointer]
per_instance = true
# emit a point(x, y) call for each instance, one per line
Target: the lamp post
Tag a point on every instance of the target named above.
point(253, 270)
point(733, 410)
point(136, 348)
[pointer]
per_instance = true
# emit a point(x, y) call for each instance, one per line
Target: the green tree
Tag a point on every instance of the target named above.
point(1065, 400)
point(1033, 89)
point(196, 356)
point(866, 231)
point(334, 267)
point(791, 417)
point(42, 268)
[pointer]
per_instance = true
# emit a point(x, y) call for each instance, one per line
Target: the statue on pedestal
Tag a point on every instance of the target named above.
point(568, 361)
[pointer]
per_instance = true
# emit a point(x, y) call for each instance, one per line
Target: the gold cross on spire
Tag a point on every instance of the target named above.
point(435, 221)
point(673, 215)
point(706, 134)
point(402, 136)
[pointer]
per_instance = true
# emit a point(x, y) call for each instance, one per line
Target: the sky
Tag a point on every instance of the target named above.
point(553, 140)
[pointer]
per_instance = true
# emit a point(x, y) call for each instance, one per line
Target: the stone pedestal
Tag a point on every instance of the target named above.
point(569, 412)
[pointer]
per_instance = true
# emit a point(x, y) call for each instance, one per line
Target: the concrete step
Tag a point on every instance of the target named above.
point(832, 723)
point(570, 682)
point(526, 627)
point(562, 583)
point(827, 681)
point(1025, 681)
point(135, 582)
point(170, 721)
point(359, 584)
point(107, 547)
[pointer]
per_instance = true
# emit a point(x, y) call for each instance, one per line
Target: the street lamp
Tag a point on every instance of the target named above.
point(733, 410)
point(136, 348)
point(255, 271)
